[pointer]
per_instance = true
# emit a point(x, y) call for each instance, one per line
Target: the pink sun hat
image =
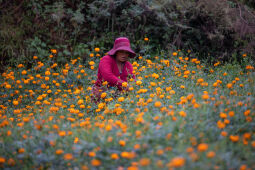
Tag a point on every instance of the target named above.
point(122, 43)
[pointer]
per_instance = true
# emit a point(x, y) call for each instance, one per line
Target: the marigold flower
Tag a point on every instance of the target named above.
point(114, 156)
point(62, 133)
point(2, 160)
point(157, 104)
point(121, 99)
point(68, 156)
point(182, 114)
point(95, 162)
point(210, 154)
point(59, 151)
point(146, 39)
point(122, 143)
point(234, 138)
point(176, 162)
point(202, 147)
point(15, 102)
point(24, 72)
point(21, 150)
point(175, 53)
point(220, 124)
point(124, 84)
point(144, 161)
point(92, 154)
point(138, 82)
point(224, 133)
point(54, 51)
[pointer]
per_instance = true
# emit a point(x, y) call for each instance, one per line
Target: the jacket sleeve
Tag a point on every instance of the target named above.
point(105, 67)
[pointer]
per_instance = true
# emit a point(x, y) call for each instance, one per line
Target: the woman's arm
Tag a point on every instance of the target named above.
point(105, 69)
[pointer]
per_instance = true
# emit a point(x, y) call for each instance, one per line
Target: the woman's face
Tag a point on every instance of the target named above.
point(122, 55)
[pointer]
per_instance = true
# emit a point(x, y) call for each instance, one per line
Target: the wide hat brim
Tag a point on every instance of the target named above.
point(113, 51)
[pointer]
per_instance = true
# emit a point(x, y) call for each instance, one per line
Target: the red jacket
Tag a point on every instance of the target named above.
point(108, 71)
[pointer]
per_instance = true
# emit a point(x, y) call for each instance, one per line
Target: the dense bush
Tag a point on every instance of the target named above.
point(214, 29)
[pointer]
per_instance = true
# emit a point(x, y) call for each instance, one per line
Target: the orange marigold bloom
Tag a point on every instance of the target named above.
point(54, 51)
point(224, 133)
point(2, 160)
point(220, 124)
point(95, 162)
point(202, 147)
point(68, 156)
point(97, 49)
point(182, 114)
point(157, 104)
point(59, 151)
point(234, 138)
point(24, 72)
point(253, 144)
point(21, 150)
point(210, 154)
point(146, 39)
point(229, 85)
point(62, 133)
point(121, 99)
point(92, 154)
point(114, 156)
point(122, 143)
point(15, 102)
point(174, 53)
point(144, 161)
point(176, 162)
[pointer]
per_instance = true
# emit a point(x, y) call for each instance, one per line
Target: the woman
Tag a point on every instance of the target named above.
point(114, 68)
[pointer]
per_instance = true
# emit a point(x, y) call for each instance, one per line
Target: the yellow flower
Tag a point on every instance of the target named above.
point(114, 156)
point(2, 160)
point(54, 51)
point(210, 154)
point(92, 154)
point(95, 162)
point(15, 102)
point(138, 82)
point(97, 49)
point(175, 53)
point(144, 161)
point(121, 99)
point(59, 151)
point(68, 156)
point(176, 162)
point(21, 150)
point(80, 102)
point(124, 84)
point(62, 133)
point(122, 143)
point(157, 104)
point(24, 72)
point(47, 73)
point(202, 147)
point(182, 114)
point(234, 138)
point(91, 63)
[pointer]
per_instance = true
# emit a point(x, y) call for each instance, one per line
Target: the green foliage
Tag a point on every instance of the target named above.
point(211, 29)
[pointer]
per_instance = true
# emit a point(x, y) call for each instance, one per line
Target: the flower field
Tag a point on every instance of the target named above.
point(178, 114)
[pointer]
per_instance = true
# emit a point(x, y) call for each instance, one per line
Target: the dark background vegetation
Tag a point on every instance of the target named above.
point(211, 29)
